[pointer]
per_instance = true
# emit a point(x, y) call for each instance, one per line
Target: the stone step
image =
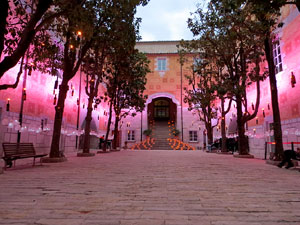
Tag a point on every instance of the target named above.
point(157, 145)
point(161, 135)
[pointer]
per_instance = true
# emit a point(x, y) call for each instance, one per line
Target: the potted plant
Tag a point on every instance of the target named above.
point(147, 132)
point(176, 133)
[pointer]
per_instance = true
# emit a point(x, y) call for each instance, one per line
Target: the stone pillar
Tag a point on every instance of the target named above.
point(145, 119)
point(178, 122)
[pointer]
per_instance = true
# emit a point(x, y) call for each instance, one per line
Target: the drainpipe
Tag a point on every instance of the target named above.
point(141, 126)
point(181, 101)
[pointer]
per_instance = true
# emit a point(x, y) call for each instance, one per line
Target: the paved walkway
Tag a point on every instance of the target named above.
point(151, 188)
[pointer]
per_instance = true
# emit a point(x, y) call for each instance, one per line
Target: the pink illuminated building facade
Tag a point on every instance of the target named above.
point(287, 59)
point(165, 90)
point(38, 111)
point(164, 82)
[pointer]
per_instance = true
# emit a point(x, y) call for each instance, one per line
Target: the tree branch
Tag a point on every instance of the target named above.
point(250, 117)
point(6, 86)
point(3, 15)
point(87, 85)
point(228, 108)
point(48, 20)
point(26, 38)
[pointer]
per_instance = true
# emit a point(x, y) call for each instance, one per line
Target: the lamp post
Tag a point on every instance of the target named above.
point(79, 33)
point(23, 98)
point(181, 63)
point(78, 108)
point(141, 126)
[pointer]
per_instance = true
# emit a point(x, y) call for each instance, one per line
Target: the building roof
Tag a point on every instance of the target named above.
point(157, 47)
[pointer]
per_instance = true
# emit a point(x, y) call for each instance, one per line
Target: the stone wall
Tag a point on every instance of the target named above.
point(290, 133)
point(33, 133)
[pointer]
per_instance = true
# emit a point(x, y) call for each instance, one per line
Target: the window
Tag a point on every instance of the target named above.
point(277, 56)
point(193, 135)
point(161, 109)
point(131, 135)
point(162, 64)
point(196, 63)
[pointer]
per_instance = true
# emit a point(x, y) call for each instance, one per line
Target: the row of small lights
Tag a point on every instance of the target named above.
point(79, 33)
point(15, 124)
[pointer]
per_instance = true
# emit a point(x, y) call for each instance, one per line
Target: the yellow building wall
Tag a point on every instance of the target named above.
point(167, 81)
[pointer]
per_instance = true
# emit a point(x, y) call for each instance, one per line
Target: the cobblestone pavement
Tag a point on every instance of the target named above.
point(150, 188)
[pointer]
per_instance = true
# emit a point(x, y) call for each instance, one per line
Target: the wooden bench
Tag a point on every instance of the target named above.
point(14, 151)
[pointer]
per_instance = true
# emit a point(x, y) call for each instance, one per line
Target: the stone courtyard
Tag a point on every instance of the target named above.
point(150, 188)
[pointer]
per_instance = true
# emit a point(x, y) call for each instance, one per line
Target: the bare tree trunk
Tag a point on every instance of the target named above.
point(87, 129)
point(242, 139)
point(116, 132)
point(274, 98)
point(59, 110)
point(108, 127)
point(209, 134)
point(223, 127)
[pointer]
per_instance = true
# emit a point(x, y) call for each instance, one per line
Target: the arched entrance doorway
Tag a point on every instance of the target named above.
point(162, 109)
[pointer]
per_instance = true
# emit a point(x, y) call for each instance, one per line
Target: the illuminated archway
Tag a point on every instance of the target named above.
point(162, 107)
point(162, 94)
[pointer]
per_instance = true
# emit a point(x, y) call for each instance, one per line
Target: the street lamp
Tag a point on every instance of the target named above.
point(181, 64)
point(79, 34)
point(23, 98)
point(141, 126)
point(78, 107)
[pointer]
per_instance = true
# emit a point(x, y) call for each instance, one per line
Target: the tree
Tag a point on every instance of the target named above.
point(219, 83)
point(121, 29)
point(94, 70)
point(20, 22)
point(127, 87)
point(87, 18)
point(222, 85)
point(201, 97)
point(268, 13)
point(236, 38)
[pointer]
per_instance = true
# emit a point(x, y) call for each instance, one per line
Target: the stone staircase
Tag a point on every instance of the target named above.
point(161, 139)
point(160, 134)
point(144, 145)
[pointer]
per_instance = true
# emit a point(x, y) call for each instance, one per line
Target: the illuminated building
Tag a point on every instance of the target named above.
point(165, 99)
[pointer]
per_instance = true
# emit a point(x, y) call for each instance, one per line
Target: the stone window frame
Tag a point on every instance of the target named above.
point(130, 135)
point(277, 56)
point(193, 136)
point(162, 66)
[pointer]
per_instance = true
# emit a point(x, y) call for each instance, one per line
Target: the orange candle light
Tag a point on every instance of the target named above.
point(24, 94)
point(8, 105)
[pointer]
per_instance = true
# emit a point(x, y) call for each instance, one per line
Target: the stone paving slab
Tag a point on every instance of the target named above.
point(150, 187)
